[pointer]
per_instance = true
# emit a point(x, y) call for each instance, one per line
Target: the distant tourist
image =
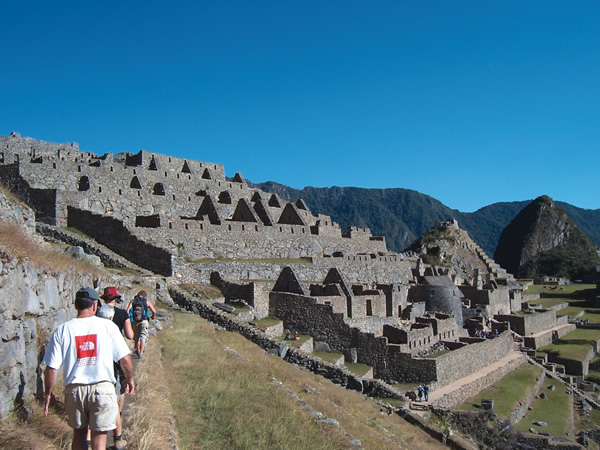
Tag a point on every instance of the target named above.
point(420, 393)
point(119, 316)
point(87, 346)
point(139, 311)
point(426, 392)
point(296, 336)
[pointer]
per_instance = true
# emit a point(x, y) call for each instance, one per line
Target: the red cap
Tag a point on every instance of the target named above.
point(110, 291)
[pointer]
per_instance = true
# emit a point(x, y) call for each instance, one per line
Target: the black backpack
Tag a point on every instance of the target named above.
point(139, 309)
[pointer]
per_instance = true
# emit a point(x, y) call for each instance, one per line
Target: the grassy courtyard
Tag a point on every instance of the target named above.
point(575, 345)
point(508, 392)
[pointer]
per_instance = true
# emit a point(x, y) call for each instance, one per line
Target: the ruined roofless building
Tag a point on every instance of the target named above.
point(183, 208)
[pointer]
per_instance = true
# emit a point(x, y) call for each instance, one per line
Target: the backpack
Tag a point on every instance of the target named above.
point(139, 310)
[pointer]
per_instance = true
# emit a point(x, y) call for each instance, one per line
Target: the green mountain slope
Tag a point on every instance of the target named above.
point(402, 215)
point(543, 240)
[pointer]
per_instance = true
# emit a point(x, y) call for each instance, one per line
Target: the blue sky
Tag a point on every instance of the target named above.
point(470, 102)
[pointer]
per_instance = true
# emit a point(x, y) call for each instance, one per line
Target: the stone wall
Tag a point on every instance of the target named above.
point(468, 359)
point(546, 338)
point(182, 206)
point(336, 375)
point(111, 233)
point(33, 303)
point(527, 324)
point(466, 391)
point(519, 412)
point(356, 270)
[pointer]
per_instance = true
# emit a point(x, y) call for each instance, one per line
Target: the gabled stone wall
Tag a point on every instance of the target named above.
point(186, 207)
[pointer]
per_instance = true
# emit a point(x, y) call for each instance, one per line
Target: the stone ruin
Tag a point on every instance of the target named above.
point(187, 221)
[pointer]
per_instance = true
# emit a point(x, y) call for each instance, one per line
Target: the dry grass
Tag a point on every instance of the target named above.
point(223, 393)
point(20, 245)
point(148, 413)
point(51, 432)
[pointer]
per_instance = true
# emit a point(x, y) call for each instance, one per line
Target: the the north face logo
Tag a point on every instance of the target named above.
point(86, 347)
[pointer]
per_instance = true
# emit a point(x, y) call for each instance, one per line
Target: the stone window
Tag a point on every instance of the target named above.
point(186, 226)
point(158, 189)
point(135, 183)
point(148, 221)
point(120, 192)
point(206, 175)
point(185, 168)
point(78, 168)
point(100, 189)
point(369, 308)
point(84, 184)
point(225, 198)
point(53, 164)
point(399, 310)
point(274, 201)
point(170, 225)
point(152, 164)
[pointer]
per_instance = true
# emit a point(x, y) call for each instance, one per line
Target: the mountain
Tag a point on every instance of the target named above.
point(543, 240)
point(402, 215)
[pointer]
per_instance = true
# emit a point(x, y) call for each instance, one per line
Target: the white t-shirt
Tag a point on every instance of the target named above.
point(87, 347)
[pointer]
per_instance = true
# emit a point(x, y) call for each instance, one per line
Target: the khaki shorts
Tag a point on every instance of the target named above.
point(93, 405)
point(140, 331)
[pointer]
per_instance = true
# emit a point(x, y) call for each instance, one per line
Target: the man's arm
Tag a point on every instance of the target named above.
point(151, 306)
point(49, 381)
point(127, 368)
point(127, 329)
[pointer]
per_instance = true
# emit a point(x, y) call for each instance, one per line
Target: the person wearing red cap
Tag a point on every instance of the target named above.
point(87, 346)
point(120, 317)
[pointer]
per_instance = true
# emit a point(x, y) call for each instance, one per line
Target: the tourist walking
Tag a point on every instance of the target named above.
point(139, 309)
point(121, 319)
point(420, 393)
point(426, 392)
point(87, 346)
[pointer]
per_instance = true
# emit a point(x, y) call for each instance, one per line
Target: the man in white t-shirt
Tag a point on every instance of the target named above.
point(87, 347)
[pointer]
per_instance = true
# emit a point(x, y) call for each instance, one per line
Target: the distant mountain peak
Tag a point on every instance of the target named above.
point(543, 240)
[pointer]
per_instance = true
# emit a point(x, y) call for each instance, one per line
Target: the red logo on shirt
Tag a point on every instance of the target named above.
point(87, 350)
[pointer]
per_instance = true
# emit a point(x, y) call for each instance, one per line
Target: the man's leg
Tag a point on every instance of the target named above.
point(80, 439)
point(98, 440)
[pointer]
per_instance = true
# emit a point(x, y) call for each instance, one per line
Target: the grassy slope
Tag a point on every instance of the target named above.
point(508, 392)
point(226, 393)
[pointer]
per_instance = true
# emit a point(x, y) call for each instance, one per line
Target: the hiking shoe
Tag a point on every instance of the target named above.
point(137, 352)
point(120, 444)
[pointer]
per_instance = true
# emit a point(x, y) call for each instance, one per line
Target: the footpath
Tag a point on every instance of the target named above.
point(464, 388)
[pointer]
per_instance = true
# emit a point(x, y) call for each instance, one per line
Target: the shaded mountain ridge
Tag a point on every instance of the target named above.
point(543, 240)
point(403, 215)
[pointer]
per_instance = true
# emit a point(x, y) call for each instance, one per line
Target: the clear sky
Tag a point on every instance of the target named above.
point(470, 102)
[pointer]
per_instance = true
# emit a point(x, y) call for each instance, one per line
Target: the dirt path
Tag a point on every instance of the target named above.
point(461, 382)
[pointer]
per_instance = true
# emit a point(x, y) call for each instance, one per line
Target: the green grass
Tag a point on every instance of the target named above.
point(570, 289)
point(357, 369)
point(548, 302)
point(222, 400)
point(508, 392)
point(267, 322)
point(437, 355)
point(574, 345)
point(202, 291)
point(295, 343)
point(330, 357)
point(554, 410)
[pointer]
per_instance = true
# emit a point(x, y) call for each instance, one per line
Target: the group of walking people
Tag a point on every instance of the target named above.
point(98, 371)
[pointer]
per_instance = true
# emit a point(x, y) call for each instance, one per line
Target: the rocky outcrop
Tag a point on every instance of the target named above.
point(543, 241)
